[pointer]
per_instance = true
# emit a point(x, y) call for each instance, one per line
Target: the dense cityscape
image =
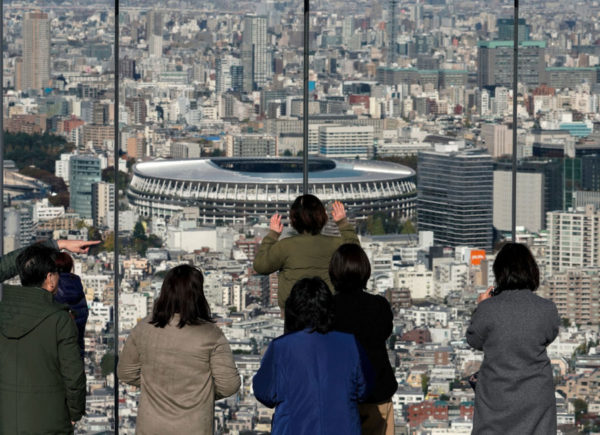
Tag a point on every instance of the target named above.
point(410, 126)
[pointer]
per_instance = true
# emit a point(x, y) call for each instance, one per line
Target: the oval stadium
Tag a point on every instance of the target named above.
point(244, 190)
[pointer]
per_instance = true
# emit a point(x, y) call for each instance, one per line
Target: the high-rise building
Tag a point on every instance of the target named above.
point(393, 32)
point(224, 73)
point(539, 190)
point(154, 24)
point(576, 294)
point(254, 52)
point(506, 29)
point(530, 200)
point(455, 192)
point(102, 203)
point(495, 63)
point(84, 171)
point(590, 172)
point(35, 73)
point(18, 227)
point(348, 30)
point(573, 239)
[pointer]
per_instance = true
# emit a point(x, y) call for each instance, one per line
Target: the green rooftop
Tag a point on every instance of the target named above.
point(496, 44)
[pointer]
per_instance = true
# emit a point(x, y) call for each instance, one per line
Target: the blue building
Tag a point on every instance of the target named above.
point(84, 171)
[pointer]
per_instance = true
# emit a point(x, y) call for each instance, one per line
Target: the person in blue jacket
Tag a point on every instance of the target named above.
point(70, 292)
point(313, 376)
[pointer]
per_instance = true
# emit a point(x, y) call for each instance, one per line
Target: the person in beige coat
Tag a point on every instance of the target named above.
point(180, 359)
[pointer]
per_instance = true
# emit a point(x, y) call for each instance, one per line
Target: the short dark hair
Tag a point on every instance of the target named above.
point(308, 214)
point(515, 268)
point(349, 268)
point(35, 263)
point(310, 305)
point(181, 293)
point(64, 262)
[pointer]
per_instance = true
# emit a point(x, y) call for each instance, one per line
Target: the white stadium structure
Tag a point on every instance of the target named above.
point(244, 190)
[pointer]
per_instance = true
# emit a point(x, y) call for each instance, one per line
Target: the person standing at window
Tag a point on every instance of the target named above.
point(306, 254)
point(180, 359)
point(370, 318)
point(42, 379)
point(313, 376)
point(514, 394)
point(70, 292)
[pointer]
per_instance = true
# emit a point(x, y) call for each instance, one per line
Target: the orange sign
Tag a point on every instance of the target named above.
point(476, 256)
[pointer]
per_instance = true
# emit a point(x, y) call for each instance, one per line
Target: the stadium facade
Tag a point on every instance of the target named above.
point(244, 190)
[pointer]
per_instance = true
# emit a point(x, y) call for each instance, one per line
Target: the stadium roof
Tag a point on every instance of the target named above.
point(272, 170)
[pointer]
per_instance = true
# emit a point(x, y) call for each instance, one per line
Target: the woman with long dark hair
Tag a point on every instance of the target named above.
point(370, 318)
point(514, 393)
point(312, 375)
point(180, 358)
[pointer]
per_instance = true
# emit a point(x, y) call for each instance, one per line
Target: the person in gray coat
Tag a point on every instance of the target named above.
point(513, 326)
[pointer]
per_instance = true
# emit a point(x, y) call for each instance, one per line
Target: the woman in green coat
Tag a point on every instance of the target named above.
point(306, 254)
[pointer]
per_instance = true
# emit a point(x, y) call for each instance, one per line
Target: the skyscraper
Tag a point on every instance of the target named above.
point(254, 52)
point(154, 24)
point(84, 171)
point(455, 192)
point(35, 72)
point(574, 239)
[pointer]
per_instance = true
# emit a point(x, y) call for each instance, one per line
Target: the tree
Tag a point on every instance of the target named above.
point(108, 176)
point(424, 383)
point(107, 364)
point(39, 150)
point(408, 227)
point(580, 407)
point(565, 322)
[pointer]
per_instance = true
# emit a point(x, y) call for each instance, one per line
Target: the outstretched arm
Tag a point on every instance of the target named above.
point(8, 262)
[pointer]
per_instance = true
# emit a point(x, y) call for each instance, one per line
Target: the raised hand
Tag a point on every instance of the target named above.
point(77, 246)
point(276, 224)
point(338, 212)
point(485, 295)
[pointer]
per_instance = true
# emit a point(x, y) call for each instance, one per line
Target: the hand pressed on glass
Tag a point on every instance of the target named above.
point(338, 211)
point(276, 224)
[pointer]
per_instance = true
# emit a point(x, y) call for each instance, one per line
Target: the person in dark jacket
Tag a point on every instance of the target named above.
point(312, 375)
point(369, 317)
point(42, 380)
point(70, 292)
point(514, 393)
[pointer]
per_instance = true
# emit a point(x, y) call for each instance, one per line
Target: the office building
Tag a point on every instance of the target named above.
point(254, 52)
point(346, 141)
point(251, 145)
point(505, 28)
point(18, 227)
point(576, 294)
point(35, 70)
point(573, 239)
point(103, 203)
point(495, 63)
point(590, 172)
point(154, 24)
point(540, 187)
point(84, 171)
point(455, 196)
point(497, 138)
point(530, 200)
